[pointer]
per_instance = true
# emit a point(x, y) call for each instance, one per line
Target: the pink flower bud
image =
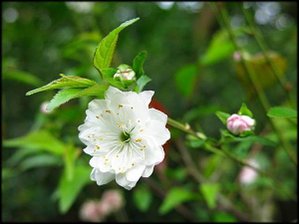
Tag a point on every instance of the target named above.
point(237, 124)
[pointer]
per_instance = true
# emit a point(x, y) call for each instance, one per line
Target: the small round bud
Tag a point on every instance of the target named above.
point(238, 124)
point(125, 73)
point(44, 108)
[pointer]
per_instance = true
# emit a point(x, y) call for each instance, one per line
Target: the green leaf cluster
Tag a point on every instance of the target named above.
point(103, 58)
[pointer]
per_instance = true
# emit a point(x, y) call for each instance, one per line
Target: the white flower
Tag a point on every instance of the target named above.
point(124, 137)
point(237, 124)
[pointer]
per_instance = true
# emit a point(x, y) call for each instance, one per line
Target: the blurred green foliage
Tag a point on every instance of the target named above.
point(195, 72)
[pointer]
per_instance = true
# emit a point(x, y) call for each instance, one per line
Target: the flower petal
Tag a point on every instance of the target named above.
point(100, 177)
point(135, 173)
point(148, 171)
point(124, 182)
point(154, 155)
point(147, 96)
point(158, 115)
point(100, 163)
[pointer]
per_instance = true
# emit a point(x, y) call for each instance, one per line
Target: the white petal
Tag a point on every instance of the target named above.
point(100, 177)
point(148, 171)
point(135, 173)
point(158, 115)
point(122, 181)
point(156, 127)
point(147, 96)
point(100, 163)
point(92, 150)
point(159, 133)
point(97, 105)
point(154, 155)
point(138, 103)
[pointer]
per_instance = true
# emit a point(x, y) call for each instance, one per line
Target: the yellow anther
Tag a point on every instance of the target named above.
point(138, 140)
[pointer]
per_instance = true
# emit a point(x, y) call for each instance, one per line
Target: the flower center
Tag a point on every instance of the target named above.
point(125, 137)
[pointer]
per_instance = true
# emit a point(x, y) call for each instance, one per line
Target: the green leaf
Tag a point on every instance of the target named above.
point(175, 196)
point(142, 198)
point(70, 156)
point(64, 82)
point(223, 217)
point(40, 160)
point(141, 82)
point(95, 90)
point(211, 164)
point(108, 73)
point(222, 116)
point(21, 154)
point(65, 95)
point(138, 64)
point(245, 111)
point(22, 76)
point(210, 191)
point(219, 48)
point(105, 50)
point(62, 97)
point(185, 79)
point(69, 189)
point(178, 174)
point(282, 112)
point(41, 140)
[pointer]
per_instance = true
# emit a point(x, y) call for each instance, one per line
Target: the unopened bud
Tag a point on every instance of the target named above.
point(44, 108)
point(124, 73)
point(238, 124)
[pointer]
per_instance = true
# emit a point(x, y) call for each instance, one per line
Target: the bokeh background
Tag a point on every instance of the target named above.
point(194, 70)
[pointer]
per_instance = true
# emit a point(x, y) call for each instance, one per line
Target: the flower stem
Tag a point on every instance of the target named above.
point(185, 128)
